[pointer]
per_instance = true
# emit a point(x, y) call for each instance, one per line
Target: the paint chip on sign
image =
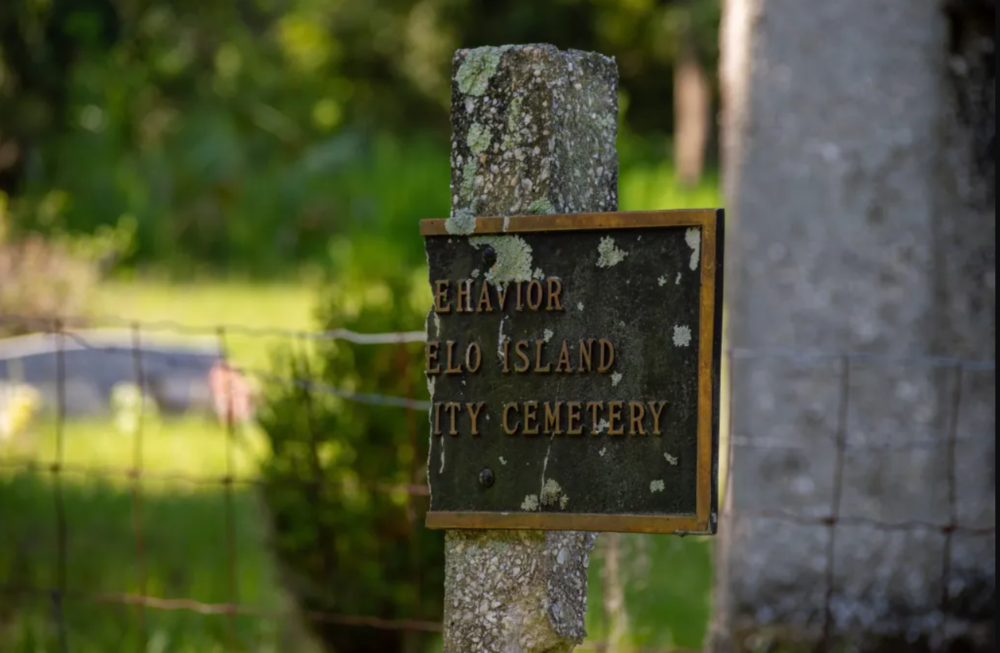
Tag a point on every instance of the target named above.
point(693, 239)
point(682, 336)
point(608, 254)
point(657, 486)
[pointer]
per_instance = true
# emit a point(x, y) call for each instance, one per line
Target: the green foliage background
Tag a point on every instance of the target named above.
point(241, 136)
point(267, 139)
point(348, 537)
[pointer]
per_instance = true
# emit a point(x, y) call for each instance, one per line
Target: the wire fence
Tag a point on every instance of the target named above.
point(69, 335)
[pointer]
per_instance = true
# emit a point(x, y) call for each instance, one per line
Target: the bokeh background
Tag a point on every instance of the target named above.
point(264, 164)
point(189, 181)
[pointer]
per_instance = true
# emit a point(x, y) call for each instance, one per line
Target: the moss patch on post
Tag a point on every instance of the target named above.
point(480, 65)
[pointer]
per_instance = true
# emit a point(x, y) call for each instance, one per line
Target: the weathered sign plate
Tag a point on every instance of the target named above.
point(574, 365)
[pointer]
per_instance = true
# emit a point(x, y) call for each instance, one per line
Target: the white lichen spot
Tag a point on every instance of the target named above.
point(506, 223)
point(671, 460)
point(503, 461)
point(474, 74)
point(437, 324)
point(677, 281)
point(608, 254)
point(538, 274)
point(693, 239)
point(530, 503)
point(513, 258)
point(579, 306)
point(656, 486)
point(501, 338)
point(431, 382)
point(563, 500)
point(662, 281)
point(548, 334)
point(682, 336)
point(616, 379)
point(601, 427)
point(462, 223)
point(466, 188)
point(603, 451)
point(475, 274)
point(441, 468)
point(551, 492)
point(478, 138)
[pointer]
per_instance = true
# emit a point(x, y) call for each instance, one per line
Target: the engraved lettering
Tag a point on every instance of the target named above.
point(656, 407)
point(535, 293)
point(519, 305)
point(485, 303)
point(431, 351)
point(555, 289)
point(538, 359)
point(573, 416)
point(474, 410)
point(506, 356)
point(450, 358)
point(473, 353)
point(453, 408)
point(464, 299)
point(553, 421)
point(594, 407)
point(505, 422)
point(437, 418)
point(586, 356)
point(636, 412)
point(521, 349)
point(563, 364)
point(502, 296)
point(614, 417)
point(531, 418)
point(441, 296)
point(606, 355)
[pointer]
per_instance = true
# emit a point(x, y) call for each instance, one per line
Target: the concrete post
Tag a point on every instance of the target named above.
point(860, 221)
point(533, 131)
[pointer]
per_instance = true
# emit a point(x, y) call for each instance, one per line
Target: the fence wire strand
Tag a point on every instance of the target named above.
point(69, 330)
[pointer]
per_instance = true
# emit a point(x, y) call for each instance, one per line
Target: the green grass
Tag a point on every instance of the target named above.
point(206, 305)
point(185, 550)
point(182, 526)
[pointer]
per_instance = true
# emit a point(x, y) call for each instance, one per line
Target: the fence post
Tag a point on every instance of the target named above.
point(533, 131)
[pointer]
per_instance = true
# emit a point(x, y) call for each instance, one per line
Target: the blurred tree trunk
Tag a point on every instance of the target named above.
point(615, 613)
point(692, 99)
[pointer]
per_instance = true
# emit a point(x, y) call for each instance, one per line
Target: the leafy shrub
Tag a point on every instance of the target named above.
point(346, 543)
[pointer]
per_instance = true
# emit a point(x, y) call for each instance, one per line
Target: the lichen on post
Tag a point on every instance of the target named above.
point(533, 131)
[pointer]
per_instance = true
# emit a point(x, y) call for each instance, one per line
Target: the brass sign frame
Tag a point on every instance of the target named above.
point(704, 521)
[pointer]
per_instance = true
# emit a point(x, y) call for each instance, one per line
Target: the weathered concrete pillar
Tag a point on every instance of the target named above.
point(859, 221)
point(533, 132)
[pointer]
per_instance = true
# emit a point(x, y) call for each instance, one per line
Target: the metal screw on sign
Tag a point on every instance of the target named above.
point(489, 256)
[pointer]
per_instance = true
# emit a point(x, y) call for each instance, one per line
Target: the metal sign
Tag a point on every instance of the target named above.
point(574, 365)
